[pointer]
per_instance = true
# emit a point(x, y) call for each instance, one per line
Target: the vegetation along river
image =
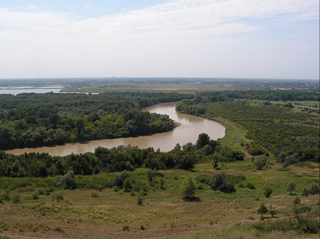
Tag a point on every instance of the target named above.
point(188, 131)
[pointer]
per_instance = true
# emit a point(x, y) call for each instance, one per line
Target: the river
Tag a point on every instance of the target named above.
point(188, 131)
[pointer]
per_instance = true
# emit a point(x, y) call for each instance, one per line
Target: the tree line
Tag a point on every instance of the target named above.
point(266, 95)
point(116, 159)
point(29, 120)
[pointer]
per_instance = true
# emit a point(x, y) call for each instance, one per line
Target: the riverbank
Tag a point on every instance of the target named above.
point(188, 131)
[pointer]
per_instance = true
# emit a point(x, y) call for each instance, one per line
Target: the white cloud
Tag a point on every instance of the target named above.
point(164, 40)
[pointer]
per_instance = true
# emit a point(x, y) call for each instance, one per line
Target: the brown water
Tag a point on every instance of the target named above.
point(188, 131)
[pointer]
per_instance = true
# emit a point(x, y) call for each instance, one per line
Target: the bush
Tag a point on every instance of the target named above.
point(4, 197)
point(250, 186)
point(291, 186)
point(267, 192)
point(127, 185)
point(296, 200)
point(314, 189)
point(262, 210)
point(120, 178)
point(260, 162)
point(140, 200)
point(35, 196)
point(16, 198)
point(301, 224)
point(221, 183)
point(57, 196)
point(67, 181)
point(94, 195)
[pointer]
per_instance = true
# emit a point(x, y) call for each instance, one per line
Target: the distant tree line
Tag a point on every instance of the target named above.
point(266, 95)
point(29, 120)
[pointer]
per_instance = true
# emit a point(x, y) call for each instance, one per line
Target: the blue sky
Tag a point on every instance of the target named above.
point(82, 8)
point(157, 38)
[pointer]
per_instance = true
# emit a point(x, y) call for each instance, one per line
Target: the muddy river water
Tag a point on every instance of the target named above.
point(188, 131)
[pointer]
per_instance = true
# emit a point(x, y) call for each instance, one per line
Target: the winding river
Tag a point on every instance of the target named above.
point(188, 131)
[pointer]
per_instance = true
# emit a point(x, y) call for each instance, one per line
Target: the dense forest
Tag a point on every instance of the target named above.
point(290, 135)
point(29, 120)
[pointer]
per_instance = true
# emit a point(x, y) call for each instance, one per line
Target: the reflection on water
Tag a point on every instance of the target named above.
point(188, 131)
point(29, 89)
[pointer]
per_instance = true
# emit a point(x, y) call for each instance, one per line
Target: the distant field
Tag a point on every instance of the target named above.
point(303, 103)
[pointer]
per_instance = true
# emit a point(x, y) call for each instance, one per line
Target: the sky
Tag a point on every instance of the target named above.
point(274, 39)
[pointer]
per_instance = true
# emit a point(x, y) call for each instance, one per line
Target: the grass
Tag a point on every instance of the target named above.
point(235, 135)
point(304, 103)
point(164, 212)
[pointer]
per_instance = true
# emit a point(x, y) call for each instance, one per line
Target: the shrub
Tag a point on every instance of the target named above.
point(236, 179)
point(260, 162)
point(140, 200)
point(299, 210)
point(58, 229)
point(4, 196)
point(67, 181)
point(16, 198)
point(262, 210)
point(125, 228)
point(35, 196)
point(120, 178)
point(127, 185)
point(272, 211)
point(221, 183)
point(94, 195)
point(301, 224)
point(267, 192)
point(305, 192)
point(314, 189)
point(57, 196)
point(250, 186)
point(291, 186)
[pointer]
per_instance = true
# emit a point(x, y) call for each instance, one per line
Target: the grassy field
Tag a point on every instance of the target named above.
point(307, 103)
point(111, 213)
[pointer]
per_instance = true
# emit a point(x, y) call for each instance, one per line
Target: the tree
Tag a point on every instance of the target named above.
point(79, 123)
point(272, 211)
point(221, 183)
point(262, 210)
point(203, 140)
point(120, 177)
point(188, 188)
point(216, 160)
point(260, 161)
point(291, 187)
point(67, 181)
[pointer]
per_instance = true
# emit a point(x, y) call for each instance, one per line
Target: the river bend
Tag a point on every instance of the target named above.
point(188, 131)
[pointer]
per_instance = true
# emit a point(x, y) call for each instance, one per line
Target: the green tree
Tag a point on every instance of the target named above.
point(221, 183)
point(67, 181)
point(79, 123)
point(262, 210)
point(188, 188)
point(203, 140)
point(291, 187)
point(260, 161)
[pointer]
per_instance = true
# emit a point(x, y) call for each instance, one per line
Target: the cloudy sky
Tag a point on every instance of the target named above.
point(159, 38)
